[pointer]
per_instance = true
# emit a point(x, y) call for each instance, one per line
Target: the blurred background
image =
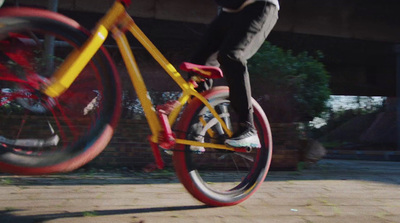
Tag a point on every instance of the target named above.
point(327, 77)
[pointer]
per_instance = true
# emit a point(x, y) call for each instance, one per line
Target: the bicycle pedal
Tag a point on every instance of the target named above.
point(166, 136)
point(169, 152)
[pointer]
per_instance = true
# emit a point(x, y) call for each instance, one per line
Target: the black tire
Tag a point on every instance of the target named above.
point(219, 177)
point(38, 134)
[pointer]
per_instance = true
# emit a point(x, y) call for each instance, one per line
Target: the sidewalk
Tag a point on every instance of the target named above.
point(331, 191)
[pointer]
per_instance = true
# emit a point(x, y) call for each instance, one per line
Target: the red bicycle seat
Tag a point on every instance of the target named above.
point(127, 3)
point(204, 71)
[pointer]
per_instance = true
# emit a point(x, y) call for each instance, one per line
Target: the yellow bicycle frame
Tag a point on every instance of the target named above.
point(117, 20)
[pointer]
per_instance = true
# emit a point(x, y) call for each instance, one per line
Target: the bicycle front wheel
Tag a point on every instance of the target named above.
point(213, 176)
point(40, 134)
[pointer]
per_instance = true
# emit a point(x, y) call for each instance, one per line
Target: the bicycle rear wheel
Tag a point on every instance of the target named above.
point(39, 134)
point(219, 177)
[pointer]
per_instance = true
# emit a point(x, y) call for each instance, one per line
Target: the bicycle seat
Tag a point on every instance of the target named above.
point(204, 71)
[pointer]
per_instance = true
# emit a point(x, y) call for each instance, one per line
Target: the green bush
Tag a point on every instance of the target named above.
point(290, 88)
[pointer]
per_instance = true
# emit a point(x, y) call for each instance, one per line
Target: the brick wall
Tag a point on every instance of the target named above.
point(286, 146)
point(130, 148)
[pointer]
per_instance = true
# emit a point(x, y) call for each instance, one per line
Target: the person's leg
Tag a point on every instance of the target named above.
point(205, 54)
point(210, 42)
point(245, 36)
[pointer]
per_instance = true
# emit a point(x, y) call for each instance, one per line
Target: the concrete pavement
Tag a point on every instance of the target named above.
point(331, 191)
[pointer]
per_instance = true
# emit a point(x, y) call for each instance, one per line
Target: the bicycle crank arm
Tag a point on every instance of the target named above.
point(211, 145)
point(37, 143)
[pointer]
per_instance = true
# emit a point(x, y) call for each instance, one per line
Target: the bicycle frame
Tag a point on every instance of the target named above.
point(118, 21)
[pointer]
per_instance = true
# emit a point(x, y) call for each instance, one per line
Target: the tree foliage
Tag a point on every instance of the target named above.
point(291, 88)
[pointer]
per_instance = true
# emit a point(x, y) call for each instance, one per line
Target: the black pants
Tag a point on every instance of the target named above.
point(235, 37)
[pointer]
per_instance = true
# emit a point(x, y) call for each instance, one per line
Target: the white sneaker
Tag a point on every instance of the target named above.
point(246, 138)
point(197, 149)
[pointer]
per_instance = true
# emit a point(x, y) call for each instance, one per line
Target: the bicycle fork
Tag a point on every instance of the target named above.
point(79, 58)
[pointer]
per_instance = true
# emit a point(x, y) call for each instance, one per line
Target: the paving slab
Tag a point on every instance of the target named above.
point(329, 191)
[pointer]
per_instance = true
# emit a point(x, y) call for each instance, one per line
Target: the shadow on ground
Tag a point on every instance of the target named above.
point(9, 217)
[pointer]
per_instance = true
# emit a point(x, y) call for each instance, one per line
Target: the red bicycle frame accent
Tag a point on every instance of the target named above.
point(127, 3)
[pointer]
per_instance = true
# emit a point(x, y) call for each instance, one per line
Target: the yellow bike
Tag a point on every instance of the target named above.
point(60, 100)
